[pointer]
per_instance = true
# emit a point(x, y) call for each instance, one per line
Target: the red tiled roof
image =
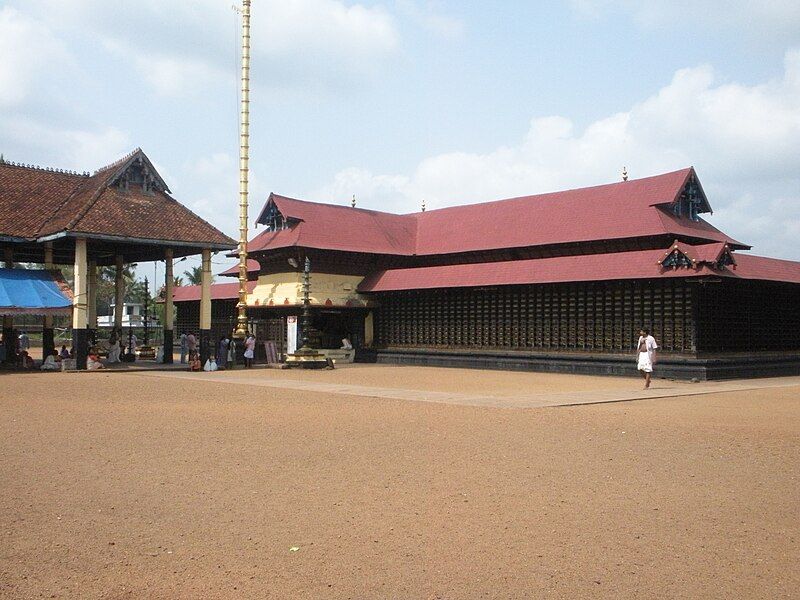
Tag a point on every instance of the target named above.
point(219, 291)
point(630, 209)
point(763, 268)
point(640, 264)
point(35, 203)
point(252, 267)
point(334, 227)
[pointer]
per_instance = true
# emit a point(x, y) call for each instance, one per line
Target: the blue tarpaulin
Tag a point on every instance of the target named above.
point(33, 292)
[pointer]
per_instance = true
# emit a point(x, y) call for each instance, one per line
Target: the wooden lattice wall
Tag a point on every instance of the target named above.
point(596, 317)
point(747, 316)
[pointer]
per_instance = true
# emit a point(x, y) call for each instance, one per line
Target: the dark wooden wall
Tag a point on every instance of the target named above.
point(747, 316)
point(596, 317)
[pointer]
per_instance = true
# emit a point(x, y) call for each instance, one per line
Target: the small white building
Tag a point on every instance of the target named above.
point(132, 316)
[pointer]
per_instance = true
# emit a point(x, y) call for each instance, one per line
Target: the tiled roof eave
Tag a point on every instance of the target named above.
point(151, 241)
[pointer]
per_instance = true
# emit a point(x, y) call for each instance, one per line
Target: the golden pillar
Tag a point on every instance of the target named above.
point(244, 158)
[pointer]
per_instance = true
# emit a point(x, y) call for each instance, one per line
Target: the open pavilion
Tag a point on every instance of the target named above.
point(123, 213)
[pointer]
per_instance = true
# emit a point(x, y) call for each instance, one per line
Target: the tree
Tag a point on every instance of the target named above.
point(195, 276)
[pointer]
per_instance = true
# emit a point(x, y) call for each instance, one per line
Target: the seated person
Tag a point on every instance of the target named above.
point(64, 352)
point(51, 362)
point(93, 361)
point(194, 361)
point(24, 361)
point(346, 344)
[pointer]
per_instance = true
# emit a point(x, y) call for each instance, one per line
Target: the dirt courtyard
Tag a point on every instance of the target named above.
point(134, 485)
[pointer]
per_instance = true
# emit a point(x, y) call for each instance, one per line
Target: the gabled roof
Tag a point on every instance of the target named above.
point(623, 210)
point(337, 228)
point(640, 264)
point(39, 203)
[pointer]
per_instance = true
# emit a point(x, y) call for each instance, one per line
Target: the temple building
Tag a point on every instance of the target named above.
point(122, 213)
point(559, 282)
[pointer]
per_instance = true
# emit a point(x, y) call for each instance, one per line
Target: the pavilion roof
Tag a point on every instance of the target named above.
point(38, 204)
point(624, 210)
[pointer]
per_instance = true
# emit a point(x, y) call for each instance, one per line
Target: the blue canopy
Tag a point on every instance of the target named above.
point(33, 292)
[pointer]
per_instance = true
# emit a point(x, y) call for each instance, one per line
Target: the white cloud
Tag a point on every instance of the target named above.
point(429, 16)
point(744, 141)
point(26, 47)
point(77, 149)
point(182, 46)
point(778, 17)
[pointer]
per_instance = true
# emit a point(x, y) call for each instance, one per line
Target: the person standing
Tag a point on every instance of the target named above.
point(184, 347)
point(114, 349)
point(249, 350)
point(24, 342)
point(646, 355)
point(222, 352)
point(191, 344)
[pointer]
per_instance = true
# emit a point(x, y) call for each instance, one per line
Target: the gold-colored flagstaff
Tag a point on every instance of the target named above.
point(244, 158)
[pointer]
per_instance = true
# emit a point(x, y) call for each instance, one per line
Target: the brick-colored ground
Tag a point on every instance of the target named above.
point(138, 486)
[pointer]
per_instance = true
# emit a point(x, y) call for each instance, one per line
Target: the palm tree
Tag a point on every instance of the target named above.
point(195, 276)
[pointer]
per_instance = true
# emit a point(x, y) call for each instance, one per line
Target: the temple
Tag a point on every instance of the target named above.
point(559, 282)
point(122, 213)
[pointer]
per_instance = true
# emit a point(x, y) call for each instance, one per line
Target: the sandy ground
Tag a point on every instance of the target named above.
point(135, 486)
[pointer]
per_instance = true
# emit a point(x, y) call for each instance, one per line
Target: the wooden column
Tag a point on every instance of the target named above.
point(205, 307)
point(80, 311)
point(168, 306)
point(48, 339)
point(91, 302)
point(119, 294)
point(9, 340)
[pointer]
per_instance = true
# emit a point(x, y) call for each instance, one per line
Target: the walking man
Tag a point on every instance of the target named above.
point(646, 355)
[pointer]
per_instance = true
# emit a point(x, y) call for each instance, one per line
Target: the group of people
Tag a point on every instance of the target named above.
point(116, 345)
point(223, 357)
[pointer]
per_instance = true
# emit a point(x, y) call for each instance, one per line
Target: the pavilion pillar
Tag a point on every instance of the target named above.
point(119, 294)
point(80, 311)
point(205, 307)
point(169, 312)
point(91, 295)
point(9, 340)
point(48, 338)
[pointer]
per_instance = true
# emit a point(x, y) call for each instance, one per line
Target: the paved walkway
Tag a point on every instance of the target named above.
point(662, 389)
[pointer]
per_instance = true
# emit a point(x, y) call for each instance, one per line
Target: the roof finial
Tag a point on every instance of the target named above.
point(353, 201)
point(624, 173)
point(423, 205)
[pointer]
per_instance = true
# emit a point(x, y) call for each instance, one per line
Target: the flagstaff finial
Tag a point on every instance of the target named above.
point(423, 205)
point(353, 201)
point(624, 173)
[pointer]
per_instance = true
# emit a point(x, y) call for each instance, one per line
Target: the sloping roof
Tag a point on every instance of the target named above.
point(33, 292)
point(640, 264)
point(623, 210)
point(766, 269)
point(252, 267)
point(338, 228)
point(219, 291)
point(37, 203)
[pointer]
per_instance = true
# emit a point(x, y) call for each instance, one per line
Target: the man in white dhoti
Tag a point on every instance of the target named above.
point(646, 355)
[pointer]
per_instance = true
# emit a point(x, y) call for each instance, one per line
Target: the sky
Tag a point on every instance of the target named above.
point(402, 101)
